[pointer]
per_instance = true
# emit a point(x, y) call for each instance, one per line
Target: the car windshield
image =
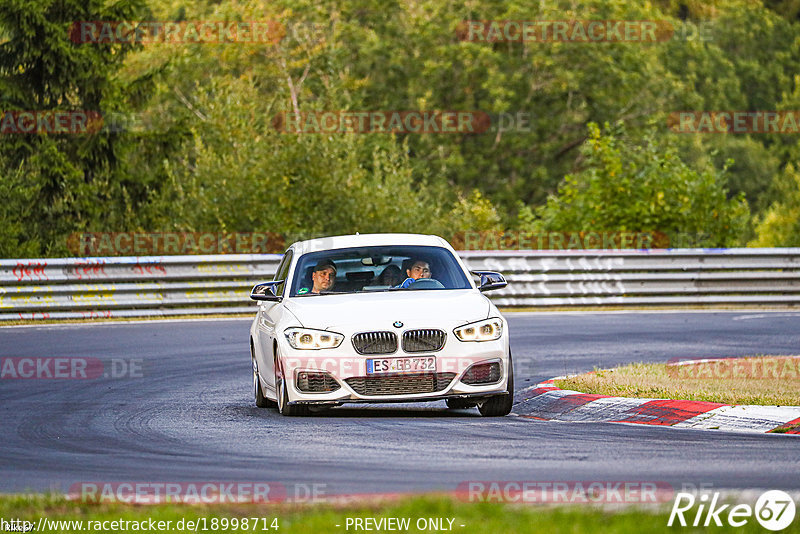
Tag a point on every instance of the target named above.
point(374, 269)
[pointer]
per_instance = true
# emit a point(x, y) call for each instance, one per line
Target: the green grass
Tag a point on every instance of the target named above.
point(777, 384)
point(315, 519)
point(785, 429)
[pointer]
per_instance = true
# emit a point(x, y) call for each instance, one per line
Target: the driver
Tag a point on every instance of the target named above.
point(323, 277)
point(418, 269)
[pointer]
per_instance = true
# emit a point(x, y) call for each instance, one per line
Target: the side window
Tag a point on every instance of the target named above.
point(283, 271)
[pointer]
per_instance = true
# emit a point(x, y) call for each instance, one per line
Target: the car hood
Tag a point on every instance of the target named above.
point(367, 311)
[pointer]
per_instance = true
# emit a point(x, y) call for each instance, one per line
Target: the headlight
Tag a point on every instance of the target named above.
point(486, 330)
point(305, 338)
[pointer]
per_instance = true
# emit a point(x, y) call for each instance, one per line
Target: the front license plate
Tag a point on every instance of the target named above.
point(401, 365)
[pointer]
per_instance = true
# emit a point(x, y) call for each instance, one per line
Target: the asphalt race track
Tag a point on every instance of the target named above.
point(190, 416)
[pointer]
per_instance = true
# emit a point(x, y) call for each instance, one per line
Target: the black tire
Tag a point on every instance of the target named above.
point(258, 394)
point(500, 405)
point(457, 404)
point(284, 408)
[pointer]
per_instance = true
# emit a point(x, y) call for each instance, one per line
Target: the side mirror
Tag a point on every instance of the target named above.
point(266, 291)
point(490, 280)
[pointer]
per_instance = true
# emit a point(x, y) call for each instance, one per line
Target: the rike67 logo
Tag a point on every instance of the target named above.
point(774, 510)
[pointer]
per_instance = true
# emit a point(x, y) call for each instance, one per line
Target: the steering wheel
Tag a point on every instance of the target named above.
point(426, 283)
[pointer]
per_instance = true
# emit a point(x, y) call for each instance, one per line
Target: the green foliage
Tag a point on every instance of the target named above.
point(57, 183)
point(644, 187)
point(779, 226)
point(728, 54)
point(17, 193)
point(235, 171)
point(208, 157)
point(410, 57)
point(475, 211)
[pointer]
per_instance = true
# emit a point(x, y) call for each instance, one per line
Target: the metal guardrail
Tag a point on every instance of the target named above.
point(195, 285)
point(69, 288)
point(645, 277)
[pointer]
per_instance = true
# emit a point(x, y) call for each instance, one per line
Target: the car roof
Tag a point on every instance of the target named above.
point(367, 240)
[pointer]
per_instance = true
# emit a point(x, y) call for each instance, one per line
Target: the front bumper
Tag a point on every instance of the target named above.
point(396, 400)
point(349, 371)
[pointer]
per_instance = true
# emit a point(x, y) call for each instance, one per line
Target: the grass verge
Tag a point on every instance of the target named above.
point(324, 518)
point(763, 380)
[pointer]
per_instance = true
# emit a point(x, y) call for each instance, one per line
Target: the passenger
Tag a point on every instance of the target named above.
point(418, 269)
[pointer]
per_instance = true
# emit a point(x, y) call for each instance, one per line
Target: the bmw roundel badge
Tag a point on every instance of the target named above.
point(397, 324)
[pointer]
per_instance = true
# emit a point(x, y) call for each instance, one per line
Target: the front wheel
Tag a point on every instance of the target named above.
point(284, 408)
point(501, 404)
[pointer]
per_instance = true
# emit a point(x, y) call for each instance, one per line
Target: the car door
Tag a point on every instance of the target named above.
point(269, 316)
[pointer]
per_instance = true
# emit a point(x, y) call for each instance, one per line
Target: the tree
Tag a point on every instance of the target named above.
point(67, 177)
point(235, 171)
point(779, 226)
point(643, 186)
point(410, 55)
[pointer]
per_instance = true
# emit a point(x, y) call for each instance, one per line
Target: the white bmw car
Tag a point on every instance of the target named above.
point(379, 318)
